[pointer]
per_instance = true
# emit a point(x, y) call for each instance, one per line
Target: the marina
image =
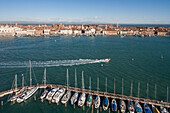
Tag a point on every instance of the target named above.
point(121, 79)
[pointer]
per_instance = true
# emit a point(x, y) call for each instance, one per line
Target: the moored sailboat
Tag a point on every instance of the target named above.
point(147, 109)
point(97, 100)
point(154, 109)
point(56, 98)
point(131, 108)
point(122, 106)
point(74, 98)
point(29, 92)
point(67, 96)
point(51, 94)
point(114, 105)
point(105, 100)
point(89, 99)
point(138, 107)
point(82, 98)
point(163, 110)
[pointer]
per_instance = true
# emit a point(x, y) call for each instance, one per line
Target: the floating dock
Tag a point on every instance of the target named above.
point(101, 94)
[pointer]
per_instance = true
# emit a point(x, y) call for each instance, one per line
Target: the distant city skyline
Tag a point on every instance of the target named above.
point(87, 11)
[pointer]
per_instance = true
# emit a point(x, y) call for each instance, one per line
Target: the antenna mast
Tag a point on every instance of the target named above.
point(106, 84)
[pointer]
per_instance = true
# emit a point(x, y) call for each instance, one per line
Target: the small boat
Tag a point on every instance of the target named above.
point(66, 97)
point(122, 106)
point(27, 94)
point(154, 109)
point(107, 60)
point(51, 94)
point(163, 110)
point(89, 100)
point(44, 94)
point(138, 107)
point(114, 105)
point(97, 102)
point(147, 109)
point(82, 99)
point(58, 95)
point(105, 103)
point(131, 107)
point(74, 98)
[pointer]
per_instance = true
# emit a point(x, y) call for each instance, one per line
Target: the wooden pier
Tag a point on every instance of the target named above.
point(102, 94)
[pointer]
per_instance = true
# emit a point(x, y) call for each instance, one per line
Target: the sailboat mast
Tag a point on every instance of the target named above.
point(138, 89)
point(106, 84)
point(45, 76)
point(97, 84)
point(122, 86)
point(15, 81)
point(155, 90)
point(67, 78)
point(30, 73)
point(114, 86)
point(82, 80)
point(75, 79)
point(90, 83)
point(22, 80)
point(147, 90)
point(131, 88)
point(167, 93)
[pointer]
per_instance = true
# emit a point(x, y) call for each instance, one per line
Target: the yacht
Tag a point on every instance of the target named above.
point(66, 97)
point(89, 100)
point(131, 108)
point(97, 102)
point(51, 94)
point(105, 103)
point(56, 98)
point(147, 109)
point(74, 98)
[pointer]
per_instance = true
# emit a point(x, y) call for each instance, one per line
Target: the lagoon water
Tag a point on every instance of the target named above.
point(151, 65)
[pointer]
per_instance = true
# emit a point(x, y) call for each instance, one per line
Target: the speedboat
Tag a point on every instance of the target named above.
point(51, 94)
point(89, 100)
point(27, 94)
point(66, 97)
point(163, 110)
point(82, 99)
point(105, 103)
point(147, 109)
point(44, 94)
point(131, 107)
point(97, 102)
point(58, 95)
point(107, 60)
point(74, 98)
point(114, 105)
point(154, 109)
point(122, 106)
point(138, 107)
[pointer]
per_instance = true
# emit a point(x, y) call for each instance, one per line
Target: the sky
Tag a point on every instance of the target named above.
point(86, 11)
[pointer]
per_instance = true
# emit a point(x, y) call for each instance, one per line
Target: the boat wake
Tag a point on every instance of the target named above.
point(51, 63)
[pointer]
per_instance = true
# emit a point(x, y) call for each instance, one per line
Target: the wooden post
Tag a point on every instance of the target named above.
point(83, 108)
point(74, 106)
point(34, 98)
point(65, 105)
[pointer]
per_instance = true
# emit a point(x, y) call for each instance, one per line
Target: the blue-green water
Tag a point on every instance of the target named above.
point(60, 53)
